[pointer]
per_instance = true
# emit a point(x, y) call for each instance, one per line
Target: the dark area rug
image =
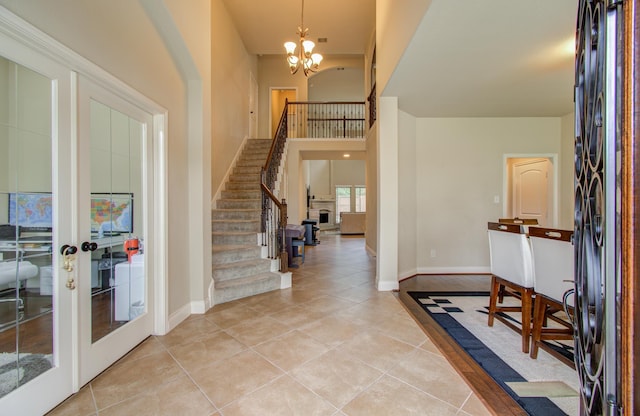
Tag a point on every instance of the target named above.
point(440, 309)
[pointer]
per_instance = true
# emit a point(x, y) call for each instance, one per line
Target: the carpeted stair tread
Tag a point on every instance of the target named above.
point(238, 267)
point(248, 279)
point(231, 247)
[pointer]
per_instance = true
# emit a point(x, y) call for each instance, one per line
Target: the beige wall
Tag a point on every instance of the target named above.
point(119, 37)
point(297, 174)
point(337, 84)
point(371, 235)
point(325, 175)
point(395, 27)
point(231, 70)
point(273, 72)
point(458, 173)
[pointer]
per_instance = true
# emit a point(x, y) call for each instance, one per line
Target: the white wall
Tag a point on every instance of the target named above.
point(407, 195)
point(458, 172)
point(567, 173)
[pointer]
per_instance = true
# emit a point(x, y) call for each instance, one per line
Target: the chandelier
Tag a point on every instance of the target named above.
point(305, 57)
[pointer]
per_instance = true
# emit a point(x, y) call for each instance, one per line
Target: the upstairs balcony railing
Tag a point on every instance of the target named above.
point(372, 106)
point(335, 119)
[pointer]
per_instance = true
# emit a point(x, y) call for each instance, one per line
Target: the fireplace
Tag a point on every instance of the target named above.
point(324, 209)
point(324, 216)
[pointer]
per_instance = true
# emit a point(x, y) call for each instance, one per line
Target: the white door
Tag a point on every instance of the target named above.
point(531, 190)
point(36, 219)
point(114, 233)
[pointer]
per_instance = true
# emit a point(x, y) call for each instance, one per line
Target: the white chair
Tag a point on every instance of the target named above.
point(16, 272)
point(511, 271)
point(553, 265)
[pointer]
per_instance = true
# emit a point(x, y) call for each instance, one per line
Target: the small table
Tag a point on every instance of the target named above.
point(292, 231)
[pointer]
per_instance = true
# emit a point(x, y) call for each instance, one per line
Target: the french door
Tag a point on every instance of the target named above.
point(115, 181)
point(36, 217)
point(76, 233)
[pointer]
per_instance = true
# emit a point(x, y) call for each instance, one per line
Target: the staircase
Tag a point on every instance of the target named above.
point(238, 267)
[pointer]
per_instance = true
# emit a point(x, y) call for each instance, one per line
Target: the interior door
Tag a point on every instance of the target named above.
point(115, 183)
point(36, 306)
point(531, 189)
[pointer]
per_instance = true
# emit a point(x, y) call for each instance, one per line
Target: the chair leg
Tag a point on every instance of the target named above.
point(501, 294)
point(539, 316)
point(527, 296)
point(493, 298)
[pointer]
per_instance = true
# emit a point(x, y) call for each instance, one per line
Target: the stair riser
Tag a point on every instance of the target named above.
point(232, 256)
point(253, 162)
point(254, 215)
point(239, 204)
point(229, 273)
point(242, 194)
point(231, 239)
point(247, 170)
point(225, 226)
point(244, 178)
point(223, 295)
point(242, 186)
point(255, 156)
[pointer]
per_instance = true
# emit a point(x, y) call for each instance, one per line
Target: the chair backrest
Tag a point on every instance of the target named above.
point(510, 254)
point(516, 220)
point(553, 262)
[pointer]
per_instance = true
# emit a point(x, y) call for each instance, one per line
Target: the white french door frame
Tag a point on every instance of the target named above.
point(24, 43)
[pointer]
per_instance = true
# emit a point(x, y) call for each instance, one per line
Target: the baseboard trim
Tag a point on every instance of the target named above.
point(285, 280)
point(369, 250)
point(198, 307)
point(216, 196)
point(407, 274)
point(454, 270)
point(388, 286)
point(178, 316)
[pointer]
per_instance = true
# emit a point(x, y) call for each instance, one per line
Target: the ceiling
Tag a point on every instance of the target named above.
point(265, 25)
point(467, 58)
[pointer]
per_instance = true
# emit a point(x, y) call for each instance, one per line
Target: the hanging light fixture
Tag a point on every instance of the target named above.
point(305, 57)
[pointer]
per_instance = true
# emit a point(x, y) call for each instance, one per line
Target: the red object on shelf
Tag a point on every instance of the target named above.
point(131, 247)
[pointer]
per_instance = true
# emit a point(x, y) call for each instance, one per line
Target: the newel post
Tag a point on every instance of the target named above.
point(284, 256)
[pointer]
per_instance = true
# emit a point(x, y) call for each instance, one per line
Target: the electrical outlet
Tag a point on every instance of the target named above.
point(496, 199)
point(433, 252)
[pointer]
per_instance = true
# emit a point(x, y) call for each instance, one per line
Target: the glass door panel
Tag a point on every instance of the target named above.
point(343, 200)
point(117, 261)
point(27, 226)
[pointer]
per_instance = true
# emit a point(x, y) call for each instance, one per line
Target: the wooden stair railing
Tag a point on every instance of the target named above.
point(301, 119)
point(274, 212)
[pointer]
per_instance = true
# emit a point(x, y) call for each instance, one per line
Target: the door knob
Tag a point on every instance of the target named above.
point(88, 246)
point(67, 249)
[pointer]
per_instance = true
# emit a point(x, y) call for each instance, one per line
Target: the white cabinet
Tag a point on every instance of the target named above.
point(129, 288)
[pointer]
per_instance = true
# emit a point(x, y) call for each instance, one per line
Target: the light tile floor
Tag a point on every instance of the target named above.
point(330, 345)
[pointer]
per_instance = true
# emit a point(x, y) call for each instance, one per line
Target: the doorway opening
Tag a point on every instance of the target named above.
point(277, 100)
point(531, 188)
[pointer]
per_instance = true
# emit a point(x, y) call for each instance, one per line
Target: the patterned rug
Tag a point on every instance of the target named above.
point(544, 387)
point(16, 371)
